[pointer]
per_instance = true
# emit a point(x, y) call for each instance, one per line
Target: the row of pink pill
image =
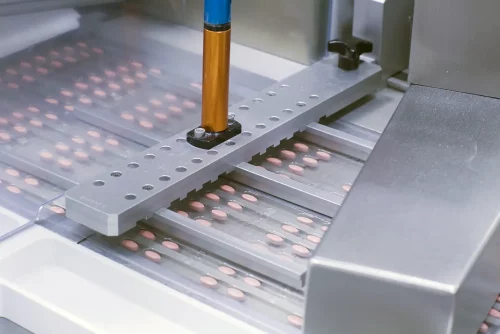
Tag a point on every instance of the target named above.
point(206, 280)
point(272, 238)
point(494, 313)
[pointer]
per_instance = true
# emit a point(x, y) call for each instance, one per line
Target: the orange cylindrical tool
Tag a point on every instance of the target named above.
point(215, 96)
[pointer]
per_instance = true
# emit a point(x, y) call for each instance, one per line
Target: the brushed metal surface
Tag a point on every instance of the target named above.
point(414, 248)
point(292, 29)
point(454, 46)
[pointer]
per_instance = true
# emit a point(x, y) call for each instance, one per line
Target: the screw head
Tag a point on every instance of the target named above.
point(230, 117)
point(199, 132)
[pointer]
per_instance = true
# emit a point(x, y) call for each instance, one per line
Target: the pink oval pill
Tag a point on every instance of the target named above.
point(236, 294)
point(141, 108)
point(296, 169)
point(310, 162)
point(100, 93)
point(52, 117)
point(170, 97)
point(54, 53)
point(183, 213)
point(141, 75)
point(208, 281)
point(24, 64)
point(295, 320)
point(67, 93)
point(33, 109)
point(323, 156)
point(28, 78)
point(197, 206)
point(189, 104)
point(94, 134)
point(56, 64)
point(5, 137)
point(128, 80)
point(324, 228)
point(12, 85)
point(112, 142)
point(289, 155)
point(110, 73)
point(156, 102)
point(61, 147)
point(78, 140)
point(68, 48)
point(228, 189)
point(494, 313)
point(82, 44)
point(127, 116)
point(301, 250)
point(290, 229)
point(136, 64)
point(81, 156)
point(97, 148)
point(252, 282)
point(301, 147)
point(95, 79)
point(40, 59)
point(196, 85)
point(175, 110)
point(4, 121)
point(123, 69)
point(81, 85)
point(153, 256)
point(57, 210)
point(304, 220)
point(227, 271)
point(249, 198)
point(204, 222)
point(70, 59)
point(11, 71)
point(347, 187)
point(274, 161)
point(314, 239)
point(155, 71)
point(171, 245)
point(37, 123)
point(14, 190)
point(18, 115)
point(65, 163)
point(114, 86)
point(84, 54)
point(274, 239)
point(146, 124)
point(12, 172)
point(219, 215)
point(46, 156)
point(52, 101)
point(85, 100)
point(235, 206)
point(98, 50)
point(161, 116)
point(130, 245)
point(212, 197)
point(42, 70)
point(284, 176)
point(21, 129)
point(484, 328)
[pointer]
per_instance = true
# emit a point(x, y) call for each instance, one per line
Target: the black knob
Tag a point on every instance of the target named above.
point(349, 52)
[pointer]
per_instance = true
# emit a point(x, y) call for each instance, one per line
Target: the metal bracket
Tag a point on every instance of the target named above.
point(115, 201)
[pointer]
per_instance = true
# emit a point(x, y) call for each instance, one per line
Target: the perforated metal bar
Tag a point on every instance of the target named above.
point(116, 200)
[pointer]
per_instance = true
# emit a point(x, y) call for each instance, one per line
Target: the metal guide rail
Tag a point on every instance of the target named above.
point(113, 202)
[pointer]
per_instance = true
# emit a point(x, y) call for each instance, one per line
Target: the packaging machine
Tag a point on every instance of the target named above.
point(349, 187)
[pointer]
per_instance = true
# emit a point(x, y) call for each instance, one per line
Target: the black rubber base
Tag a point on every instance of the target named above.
point(212, 139)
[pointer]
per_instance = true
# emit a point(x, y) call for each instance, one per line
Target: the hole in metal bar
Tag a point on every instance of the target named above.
point(288, 111)
point(130, 197)
point(274, 118)
point(314, 97)
point(301, 104)
point(246, 134)
point(165, 148)
point(181, 169)
point(212, 152)
point(197, 160)
point(260, 126)
point(133, 165)
point(230, 143)
point(258, 100)
point(116, 174)
point(99, 183)
point(271, 93)
point(149, 156)
point(164, 178)
point(147, 187)
point(244, 108)
point(181, 140)
point(284, 86)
